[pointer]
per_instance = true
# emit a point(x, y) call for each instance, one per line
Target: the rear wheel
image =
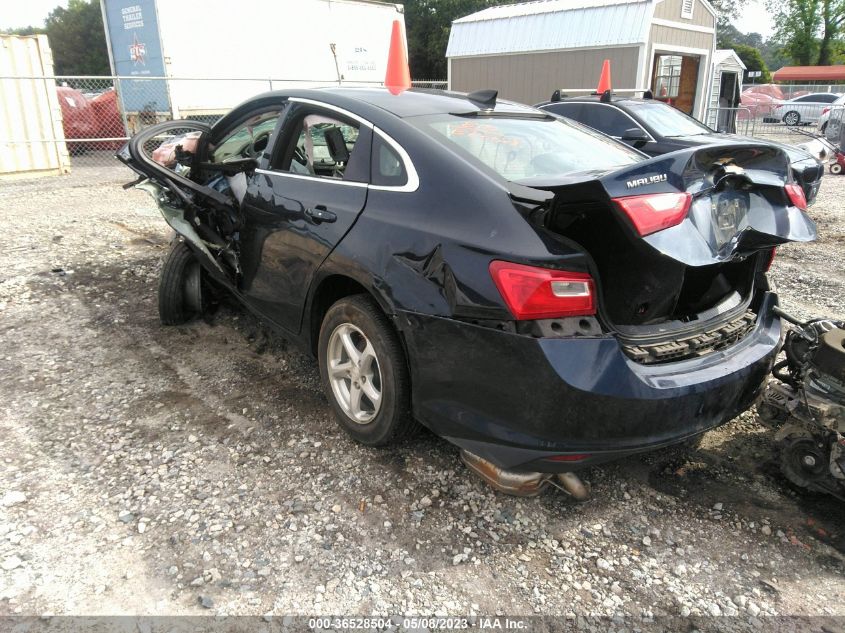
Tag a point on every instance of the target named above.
point(180, 287)
point(364, 373)
point(792, 118)
point(836, 168)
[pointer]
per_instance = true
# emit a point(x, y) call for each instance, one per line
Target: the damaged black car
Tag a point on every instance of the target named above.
point(533, 291)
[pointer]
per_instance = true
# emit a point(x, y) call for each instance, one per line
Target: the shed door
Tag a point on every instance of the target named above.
point(675, 80)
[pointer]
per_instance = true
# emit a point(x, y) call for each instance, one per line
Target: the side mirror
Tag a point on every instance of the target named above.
point(635, 134)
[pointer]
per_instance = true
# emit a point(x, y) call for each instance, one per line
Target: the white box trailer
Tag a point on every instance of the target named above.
point(216, 53)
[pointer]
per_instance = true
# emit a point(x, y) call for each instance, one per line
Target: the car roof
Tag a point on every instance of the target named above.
point(408, 103)
point(623, 101)
point(421, 101)
point(817, 94)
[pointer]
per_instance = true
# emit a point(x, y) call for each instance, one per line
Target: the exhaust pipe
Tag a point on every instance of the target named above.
point(572, 485)
point(525, 484)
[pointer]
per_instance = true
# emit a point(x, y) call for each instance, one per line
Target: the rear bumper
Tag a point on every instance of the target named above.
point(516, 400)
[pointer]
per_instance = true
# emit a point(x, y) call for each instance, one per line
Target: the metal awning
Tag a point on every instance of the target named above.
point(810, 73)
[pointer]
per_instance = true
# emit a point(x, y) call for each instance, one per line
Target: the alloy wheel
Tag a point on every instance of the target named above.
point(792, 118)
point(354, 373)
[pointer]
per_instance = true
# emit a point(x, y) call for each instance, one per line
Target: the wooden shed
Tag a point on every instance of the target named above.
point(528, 50)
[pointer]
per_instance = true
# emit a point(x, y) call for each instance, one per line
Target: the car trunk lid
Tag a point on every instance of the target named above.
point(680, 279)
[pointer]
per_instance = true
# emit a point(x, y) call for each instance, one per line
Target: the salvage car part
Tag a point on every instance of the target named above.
point(806, 402)
point(540, 295)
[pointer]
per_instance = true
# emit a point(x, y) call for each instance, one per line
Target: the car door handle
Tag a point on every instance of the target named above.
point(320, 214)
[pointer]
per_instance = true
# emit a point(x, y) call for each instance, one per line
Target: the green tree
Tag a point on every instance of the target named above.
point(428, 23)
point(753, 60)
point(23, 30)
point(726, 11)
point(797, 23)
point(77, 39)
point(833, 18)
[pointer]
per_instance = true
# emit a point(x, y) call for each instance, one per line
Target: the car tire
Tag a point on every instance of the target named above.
point(352, 378)
point(181, 295)
point(835, 168)
point(823, 128)
point(792, 118)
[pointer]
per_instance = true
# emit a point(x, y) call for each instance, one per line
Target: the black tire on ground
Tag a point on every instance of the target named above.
point(174, 306)
point(835, 168)
point(823, 128)
point(392, 421)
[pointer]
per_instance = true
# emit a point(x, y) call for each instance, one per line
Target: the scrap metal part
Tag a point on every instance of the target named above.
point(524, 484)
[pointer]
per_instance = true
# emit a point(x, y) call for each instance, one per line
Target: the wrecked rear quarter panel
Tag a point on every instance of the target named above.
point(429, 251)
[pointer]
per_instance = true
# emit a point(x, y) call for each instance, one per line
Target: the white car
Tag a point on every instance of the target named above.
point(822, 124)
point(805, 109)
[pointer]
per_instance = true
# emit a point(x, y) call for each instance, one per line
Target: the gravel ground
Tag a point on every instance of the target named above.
point(197, 469)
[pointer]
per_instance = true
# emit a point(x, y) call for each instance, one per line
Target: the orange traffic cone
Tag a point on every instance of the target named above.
point(398, 76)
point(604, 79)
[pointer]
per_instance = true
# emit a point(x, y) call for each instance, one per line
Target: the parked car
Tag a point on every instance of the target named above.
point(825, 115)
point(803, 110)
point(535, 292)
point(655, 128)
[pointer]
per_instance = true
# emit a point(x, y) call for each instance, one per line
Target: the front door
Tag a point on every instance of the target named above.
point(300, 207)
point(728, 101)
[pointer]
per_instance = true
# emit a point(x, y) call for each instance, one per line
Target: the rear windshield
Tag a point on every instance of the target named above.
point(519, 148)
point(668, 121)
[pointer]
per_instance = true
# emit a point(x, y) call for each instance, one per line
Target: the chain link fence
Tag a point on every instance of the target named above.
point(98, 114)
point(782, 111)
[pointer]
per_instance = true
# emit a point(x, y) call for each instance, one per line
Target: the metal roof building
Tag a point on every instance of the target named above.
point(528, 50)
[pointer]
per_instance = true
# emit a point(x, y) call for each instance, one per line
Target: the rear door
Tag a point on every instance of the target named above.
point(300, 205)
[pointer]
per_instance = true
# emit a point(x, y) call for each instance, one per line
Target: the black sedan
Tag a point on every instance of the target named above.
point(529, 289)
point(656, 128)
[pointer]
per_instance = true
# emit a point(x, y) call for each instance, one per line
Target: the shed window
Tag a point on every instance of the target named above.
point(667, 81)
point(686, 8)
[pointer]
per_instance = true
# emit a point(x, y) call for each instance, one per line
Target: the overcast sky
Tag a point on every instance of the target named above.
point(755, 18)
point(16, 13)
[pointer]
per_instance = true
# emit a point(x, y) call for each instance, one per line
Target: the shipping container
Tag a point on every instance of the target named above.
point(33, 142)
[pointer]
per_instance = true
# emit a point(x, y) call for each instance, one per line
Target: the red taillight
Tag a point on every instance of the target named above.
point(654, 212)
point(826, 110)
point(543, 293)
point(796, 195)
point(771, 259)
